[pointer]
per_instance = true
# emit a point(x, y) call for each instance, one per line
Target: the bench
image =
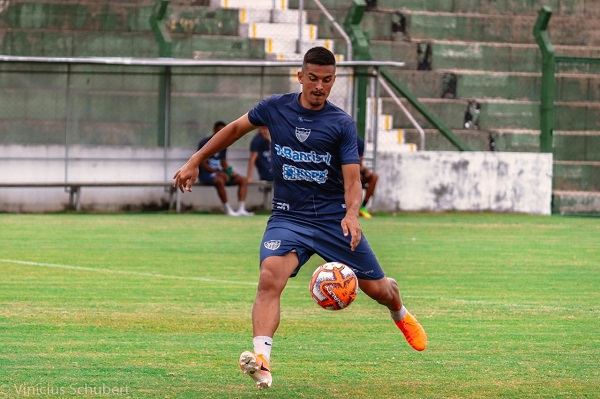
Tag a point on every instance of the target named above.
point(74, 190)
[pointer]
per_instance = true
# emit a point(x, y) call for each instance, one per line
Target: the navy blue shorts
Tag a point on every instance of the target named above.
point(322, 237)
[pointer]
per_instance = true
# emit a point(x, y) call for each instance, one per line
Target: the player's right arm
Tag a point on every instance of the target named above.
point(187, 174)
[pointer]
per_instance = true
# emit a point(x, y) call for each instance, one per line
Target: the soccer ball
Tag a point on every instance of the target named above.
point(333, 286)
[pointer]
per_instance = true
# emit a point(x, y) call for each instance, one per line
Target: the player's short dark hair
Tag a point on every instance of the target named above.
point(318, 56)
point(219, 124)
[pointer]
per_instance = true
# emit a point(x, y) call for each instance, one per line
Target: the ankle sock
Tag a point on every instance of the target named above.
point(398, 315)
point(262, 346)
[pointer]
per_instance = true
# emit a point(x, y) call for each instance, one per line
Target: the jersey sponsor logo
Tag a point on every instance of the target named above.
point(301, 119)
point(272, 245)
point(281, 206)
point(293, 173)
point(302, 134)
point(300, 156)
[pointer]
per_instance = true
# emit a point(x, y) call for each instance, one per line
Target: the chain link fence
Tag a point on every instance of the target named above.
point(106, 110)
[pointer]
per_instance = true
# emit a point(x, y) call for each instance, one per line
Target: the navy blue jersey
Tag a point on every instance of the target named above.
point(308, 149)
point(263, 162)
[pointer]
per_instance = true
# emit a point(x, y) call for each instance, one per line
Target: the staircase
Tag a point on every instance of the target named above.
point(476, 66)
point(278, 27)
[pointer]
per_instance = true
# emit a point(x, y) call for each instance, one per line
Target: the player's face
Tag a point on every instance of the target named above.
point(316, 81)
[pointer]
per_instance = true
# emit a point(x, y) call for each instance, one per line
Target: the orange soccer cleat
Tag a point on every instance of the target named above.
point(257, 367)
point(413, 332)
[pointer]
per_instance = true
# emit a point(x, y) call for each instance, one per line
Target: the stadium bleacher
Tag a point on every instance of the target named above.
point(456, 53)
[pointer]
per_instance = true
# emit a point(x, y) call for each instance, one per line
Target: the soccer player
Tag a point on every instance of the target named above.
point(260, 155)
point(368, 178)
point(215, 170)
point(316, 197)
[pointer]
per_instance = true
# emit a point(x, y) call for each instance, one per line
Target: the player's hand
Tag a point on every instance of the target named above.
point(351, 226)
point(185, 177)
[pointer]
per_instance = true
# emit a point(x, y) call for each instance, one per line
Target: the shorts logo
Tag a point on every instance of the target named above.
point(302, 134)
point(272, 245)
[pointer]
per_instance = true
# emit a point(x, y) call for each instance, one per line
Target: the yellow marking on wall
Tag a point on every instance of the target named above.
point(283, 4)
point(225, 3)
point(388, 122)
point(253, 30)
point(311, 32)
point(327, 44)
point(269, 46)
point(400, 136)
point(243, 15)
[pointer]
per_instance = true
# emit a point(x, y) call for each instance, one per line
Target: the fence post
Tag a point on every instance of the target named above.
point(360, 52)
point(547, 113)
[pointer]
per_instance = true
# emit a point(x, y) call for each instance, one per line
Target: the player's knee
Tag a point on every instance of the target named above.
point(270, 279)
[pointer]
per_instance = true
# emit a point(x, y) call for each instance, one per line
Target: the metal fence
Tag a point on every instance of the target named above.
point(95, 110)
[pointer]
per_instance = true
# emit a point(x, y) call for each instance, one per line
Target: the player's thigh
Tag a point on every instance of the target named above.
point(281, 239)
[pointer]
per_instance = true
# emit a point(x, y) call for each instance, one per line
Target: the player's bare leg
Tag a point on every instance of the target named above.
point(385, 291)
point(274, 274)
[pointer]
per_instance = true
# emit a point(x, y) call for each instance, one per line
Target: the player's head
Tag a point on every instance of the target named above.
point(218, 126)
point(316, 77)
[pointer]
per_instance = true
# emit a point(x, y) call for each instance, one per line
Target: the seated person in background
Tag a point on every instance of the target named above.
point(368, 178)
point(260, 155)
point(217, 172)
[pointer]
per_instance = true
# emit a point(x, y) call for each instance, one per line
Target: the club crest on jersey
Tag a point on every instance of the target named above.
point(302, 134)
point(272, 245)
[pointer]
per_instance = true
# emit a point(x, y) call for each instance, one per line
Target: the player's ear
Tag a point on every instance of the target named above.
point(300, 76)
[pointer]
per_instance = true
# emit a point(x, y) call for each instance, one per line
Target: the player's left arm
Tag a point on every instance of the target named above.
point(187, 174)
point(352, 198)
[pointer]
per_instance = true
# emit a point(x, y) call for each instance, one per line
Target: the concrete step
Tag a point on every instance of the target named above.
point(202, 21)
point(499, 57)
point(247, 15)
point(469, 56)
point(576, 176)
point(571, 30)
point(576, 146)
point(575, 202)
point(279, 45)
point(255, 4)
point(507, 85)
point(78, 44)
point(82, 16)
point(218, 48)
point(499, 114)
point(504, 7)
point(256, 30)
point(479, 140)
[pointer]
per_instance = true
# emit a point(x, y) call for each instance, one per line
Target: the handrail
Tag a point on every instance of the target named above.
point(434, 120)
point(337, 26)
point(406, 112)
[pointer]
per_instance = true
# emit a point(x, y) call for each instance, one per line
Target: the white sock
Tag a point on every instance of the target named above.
point(242, 206)
point(262, 346)
point(228, 208)
point(398, 315)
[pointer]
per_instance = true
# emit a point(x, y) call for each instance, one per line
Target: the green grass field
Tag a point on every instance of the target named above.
point(158, 306)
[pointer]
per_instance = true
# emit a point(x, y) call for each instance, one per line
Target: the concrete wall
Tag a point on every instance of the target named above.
point(423, 181)
point(464, 181)
point(39, 164)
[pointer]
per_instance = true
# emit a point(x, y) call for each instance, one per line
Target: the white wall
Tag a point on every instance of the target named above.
point(24, 164)
point(464, 181)
point(421, 181)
